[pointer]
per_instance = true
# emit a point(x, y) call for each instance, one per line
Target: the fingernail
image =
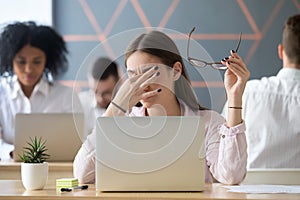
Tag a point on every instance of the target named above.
point(223, 60)
point(233, 51)
point(156, 67)
point(228, 63)
point(226, 58)
point(158, 73)
point(159, 90)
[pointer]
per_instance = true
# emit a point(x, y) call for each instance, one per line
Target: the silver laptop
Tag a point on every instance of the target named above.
point(150, 154)
point(62, 131)
point(281, 176)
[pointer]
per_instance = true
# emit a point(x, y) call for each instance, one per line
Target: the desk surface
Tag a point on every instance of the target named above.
point(10, 170)
point(12, 165)
point(13, 189)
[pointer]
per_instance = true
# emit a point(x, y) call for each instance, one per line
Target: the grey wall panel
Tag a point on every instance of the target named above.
point(88, 23)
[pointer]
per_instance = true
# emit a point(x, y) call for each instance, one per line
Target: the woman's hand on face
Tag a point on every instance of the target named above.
point(133, 89)
point(236, 76)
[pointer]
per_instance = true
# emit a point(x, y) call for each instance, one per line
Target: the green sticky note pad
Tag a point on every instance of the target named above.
point(66, 182)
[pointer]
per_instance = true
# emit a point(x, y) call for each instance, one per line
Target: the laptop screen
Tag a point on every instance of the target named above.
point(63, 133)
point(137, 153)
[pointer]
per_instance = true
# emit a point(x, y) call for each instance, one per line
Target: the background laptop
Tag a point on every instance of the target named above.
point(63, 132)
point(150, 154)
point(281, 176)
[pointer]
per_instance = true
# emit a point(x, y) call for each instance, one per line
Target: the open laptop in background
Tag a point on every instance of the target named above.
point(150, 154)
point(63, 133)
point(280, 176)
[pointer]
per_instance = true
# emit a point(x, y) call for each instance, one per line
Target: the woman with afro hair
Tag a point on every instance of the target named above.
point(32, 57)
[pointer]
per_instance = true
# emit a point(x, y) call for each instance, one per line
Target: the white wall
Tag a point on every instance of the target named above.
point(25, 10)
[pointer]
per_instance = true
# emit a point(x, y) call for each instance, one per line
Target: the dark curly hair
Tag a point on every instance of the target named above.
point(15, 36)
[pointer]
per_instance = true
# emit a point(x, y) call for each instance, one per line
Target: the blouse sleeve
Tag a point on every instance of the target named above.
point(226, 150)
point(84, 162)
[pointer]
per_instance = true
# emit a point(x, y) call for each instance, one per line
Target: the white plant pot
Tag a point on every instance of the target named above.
point(34, 175)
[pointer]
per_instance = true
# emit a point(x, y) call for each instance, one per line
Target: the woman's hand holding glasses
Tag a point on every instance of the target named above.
point(235, 78)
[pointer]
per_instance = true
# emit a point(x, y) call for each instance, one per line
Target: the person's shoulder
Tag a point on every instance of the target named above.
point(85, 93)
point(202, 113)
point(86, 96)
point(56, 85)
point(57, 88)
point(211, 118)
point(7, 92)
point(210, 113)
point(2, 84)
point(3, 88)
point(6, 86)
point(262, 83)
point(263, 80)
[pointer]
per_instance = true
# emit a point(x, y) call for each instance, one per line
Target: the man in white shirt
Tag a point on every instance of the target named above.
point(102, 78)
point(271, 108)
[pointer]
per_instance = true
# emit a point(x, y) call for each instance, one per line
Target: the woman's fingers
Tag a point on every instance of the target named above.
point(151, 80)
point(237, 69)
point(141, 94)
point(150, 94)
point(234, 54)
point(236, 64)
point(145, 76)
point(137, 85)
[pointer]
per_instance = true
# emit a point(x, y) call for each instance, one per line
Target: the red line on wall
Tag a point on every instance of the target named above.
point(140, 13)
point(197, 36)
point(168, 14)
point(80, 38)
point(272, 16)
point(95, 38)
point(252, 51)
point(297, 4)
point(76, 85)
point(115, 16)
point(264, 31)
point(92, 19)
point(248, 16)
point(205, 84)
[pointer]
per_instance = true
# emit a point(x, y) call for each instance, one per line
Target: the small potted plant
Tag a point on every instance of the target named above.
point(34, 169)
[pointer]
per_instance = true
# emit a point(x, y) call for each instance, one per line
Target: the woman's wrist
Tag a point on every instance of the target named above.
point(235, 107)
point(118, 106)
point(234, 102)
point(114, 109)
point(234, 114)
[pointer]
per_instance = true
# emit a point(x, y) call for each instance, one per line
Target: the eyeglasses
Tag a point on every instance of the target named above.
point(201, 63)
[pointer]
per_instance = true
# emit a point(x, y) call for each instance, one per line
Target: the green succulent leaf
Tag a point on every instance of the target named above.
point(35, 151)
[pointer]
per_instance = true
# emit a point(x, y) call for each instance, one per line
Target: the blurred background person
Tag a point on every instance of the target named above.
point(271, 108)
point(102, 79)
point(32, 57)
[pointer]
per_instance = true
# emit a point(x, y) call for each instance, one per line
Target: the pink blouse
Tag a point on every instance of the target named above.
point(226, 149)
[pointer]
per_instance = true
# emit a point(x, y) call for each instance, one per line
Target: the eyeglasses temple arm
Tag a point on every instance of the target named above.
point(238, 46)
point(188, 46)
